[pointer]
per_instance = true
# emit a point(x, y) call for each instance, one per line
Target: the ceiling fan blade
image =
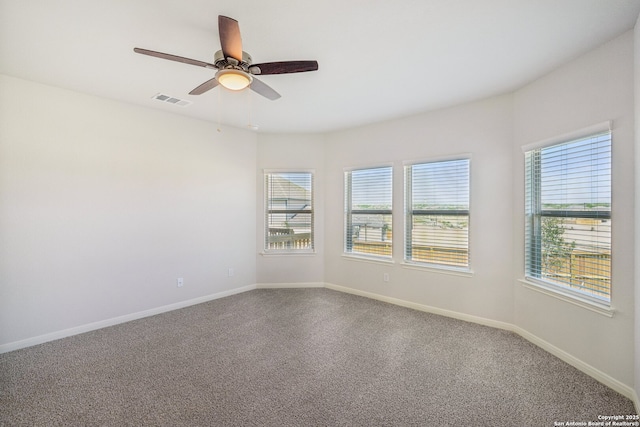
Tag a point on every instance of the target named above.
point(283, 67)
point(174, 58)
point(230, 39)
point(208, 85)
point(264, 89)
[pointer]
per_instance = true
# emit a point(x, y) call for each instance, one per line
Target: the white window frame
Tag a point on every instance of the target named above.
point(349, 212)
point(288, 246)
point(534, 213)
point(409, 260)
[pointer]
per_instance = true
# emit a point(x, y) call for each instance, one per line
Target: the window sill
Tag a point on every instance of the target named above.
point(374, 260)
point(442, 270)
point(287, 253)
point(601, 309)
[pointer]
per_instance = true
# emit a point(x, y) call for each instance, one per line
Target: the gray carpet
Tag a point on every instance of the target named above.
point(296, 357)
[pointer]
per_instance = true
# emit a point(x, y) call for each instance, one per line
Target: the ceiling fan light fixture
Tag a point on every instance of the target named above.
point(235, 66)
point(234, 79)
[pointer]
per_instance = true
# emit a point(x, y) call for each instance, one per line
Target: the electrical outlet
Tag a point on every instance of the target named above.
point(385, 277)
point(180, 281)
point(231, 272)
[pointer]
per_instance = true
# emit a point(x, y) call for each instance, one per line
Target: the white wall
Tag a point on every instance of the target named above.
point(482, 129)
point(291, 153)
point(104, 204)
point(591, 89)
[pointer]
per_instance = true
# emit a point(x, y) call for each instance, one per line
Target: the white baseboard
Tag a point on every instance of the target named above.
point(17, 345)
point(605, 379)
point(598, 375)
point(421, 307)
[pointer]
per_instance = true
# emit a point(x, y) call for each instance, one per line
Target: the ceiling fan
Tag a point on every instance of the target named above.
point(235, 68)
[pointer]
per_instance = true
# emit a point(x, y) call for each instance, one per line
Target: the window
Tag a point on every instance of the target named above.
point(437, 213)
point(568, 216)
point(368, 204)
point(289, 211)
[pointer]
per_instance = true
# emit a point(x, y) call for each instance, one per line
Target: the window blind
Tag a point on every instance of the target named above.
point(368, 212)
point(289, 211)
point(568, 215)
point(437, 213)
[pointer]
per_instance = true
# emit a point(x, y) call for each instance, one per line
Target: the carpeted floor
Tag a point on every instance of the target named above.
point(297, 357)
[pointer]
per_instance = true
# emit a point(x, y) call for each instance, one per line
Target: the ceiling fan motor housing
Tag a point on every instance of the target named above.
point(226, 63)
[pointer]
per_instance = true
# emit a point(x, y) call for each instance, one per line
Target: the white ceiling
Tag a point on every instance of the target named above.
point(377, 59)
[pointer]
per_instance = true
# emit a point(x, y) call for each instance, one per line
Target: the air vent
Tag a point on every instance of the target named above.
point(171, 100)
